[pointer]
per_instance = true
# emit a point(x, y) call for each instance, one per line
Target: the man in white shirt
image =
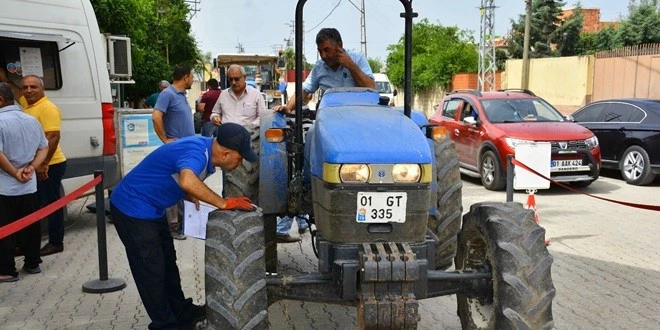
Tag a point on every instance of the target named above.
point(238, 104)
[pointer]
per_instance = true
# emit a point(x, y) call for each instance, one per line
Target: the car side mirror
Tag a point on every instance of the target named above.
point(470, 121)
point(569, 118)
point(394, 92)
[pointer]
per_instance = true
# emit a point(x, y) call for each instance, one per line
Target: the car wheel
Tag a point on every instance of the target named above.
point(491, 172)
point(635, 166)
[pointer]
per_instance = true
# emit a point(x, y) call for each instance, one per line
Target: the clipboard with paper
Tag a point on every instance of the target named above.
point(195, 220)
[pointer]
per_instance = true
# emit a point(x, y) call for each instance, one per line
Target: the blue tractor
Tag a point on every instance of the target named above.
point(383, 189)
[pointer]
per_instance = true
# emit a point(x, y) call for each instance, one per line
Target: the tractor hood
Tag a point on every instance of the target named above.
point(368, 135)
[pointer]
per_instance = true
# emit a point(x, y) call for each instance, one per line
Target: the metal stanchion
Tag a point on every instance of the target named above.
point(103, 284)
point(509, 178)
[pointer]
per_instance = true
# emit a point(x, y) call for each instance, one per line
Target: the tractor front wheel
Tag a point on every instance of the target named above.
point(503, 238)
point(236, 296)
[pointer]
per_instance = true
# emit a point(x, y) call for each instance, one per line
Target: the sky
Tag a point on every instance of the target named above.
point(262, 25)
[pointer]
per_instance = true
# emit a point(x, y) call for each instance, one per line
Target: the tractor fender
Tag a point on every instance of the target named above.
point(273, 167)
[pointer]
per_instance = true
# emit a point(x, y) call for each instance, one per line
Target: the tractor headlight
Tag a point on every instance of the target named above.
point(354, 173)
point(591, 142)
point(406, 172)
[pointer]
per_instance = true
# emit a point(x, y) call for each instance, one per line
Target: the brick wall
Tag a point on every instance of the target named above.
point(590, 19)
point(471, 81)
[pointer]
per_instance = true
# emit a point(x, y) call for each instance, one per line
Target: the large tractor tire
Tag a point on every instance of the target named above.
point(236, 296)
point(244, 180)
point(443, 226)
point(504, 239)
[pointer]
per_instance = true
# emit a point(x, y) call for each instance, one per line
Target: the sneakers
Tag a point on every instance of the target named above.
point(302, 230)
point(178, 235)
point(287, 239)
point(49, 249)
point(29, 270)
point(8, 279)
point(198, 315)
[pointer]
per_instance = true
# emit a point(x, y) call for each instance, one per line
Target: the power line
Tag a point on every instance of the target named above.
point(323, 20)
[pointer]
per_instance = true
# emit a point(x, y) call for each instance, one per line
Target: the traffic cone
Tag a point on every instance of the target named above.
point(531, 205)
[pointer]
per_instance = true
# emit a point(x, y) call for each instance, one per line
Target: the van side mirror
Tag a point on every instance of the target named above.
point(394, 92)
point(470, 121)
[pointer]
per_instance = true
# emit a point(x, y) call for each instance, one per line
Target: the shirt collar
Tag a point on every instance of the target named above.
point(12, 107)
point(42, 100)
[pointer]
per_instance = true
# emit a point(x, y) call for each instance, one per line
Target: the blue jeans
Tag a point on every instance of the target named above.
point(284, 224)
point(208, 129)
point(49, 191)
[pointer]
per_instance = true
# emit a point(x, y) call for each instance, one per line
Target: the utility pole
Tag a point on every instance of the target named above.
point(239, 48)
point(363, 27)
point(525, 67)
point(194, 7)
point(289, 40)
point(487, 65)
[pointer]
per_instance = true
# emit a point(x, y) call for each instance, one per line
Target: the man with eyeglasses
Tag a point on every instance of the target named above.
point(238, 103)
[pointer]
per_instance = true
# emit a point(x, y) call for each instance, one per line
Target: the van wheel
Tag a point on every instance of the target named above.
point(236, 296)
point(491, 172)
point(443, 226)
point(635, 166)
point(244, 180)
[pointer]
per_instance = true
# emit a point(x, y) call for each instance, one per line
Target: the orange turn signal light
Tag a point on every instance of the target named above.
point(274, 135)
point(436, 133)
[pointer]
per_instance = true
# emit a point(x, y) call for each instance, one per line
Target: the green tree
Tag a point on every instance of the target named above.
point(567, 34)
point(438, 53)
point(160, 38)
point(290, 60)
point(376, 64)
point(544, 24)
point(641, 25)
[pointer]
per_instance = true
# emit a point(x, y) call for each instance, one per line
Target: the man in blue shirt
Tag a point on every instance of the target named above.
point(138, 205)
point(173, 120)
point(150, 102)
point(336, 68)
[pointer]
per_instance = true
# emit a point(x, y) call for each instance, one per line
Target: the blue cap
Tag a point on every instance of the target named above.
point(236, 137)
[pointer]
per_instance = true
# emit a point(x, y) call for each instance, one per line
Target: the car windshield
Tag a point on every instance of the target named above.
point(383, 87)
point(520, 110)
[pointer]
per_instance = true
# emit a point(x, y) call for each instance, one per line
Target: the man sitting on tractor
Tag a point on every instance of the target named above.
point(336, 68)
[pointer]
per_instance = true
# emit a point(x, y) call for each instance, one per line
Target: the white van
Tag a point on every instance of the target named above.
point(384, 87)
point(60, 41)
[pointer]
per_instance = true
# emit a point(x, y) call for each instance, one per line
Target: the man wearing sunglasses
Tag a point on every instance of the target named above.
point(238, 104)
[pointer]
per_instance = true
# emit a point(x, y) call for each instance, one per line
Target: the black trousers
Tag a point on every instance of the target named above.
point(152, 259)
point(49, 192)
point(13, 208)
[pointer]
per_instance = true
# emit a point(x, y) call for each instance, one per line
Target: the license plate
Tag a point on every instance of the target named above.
point(381, 207)
point(565, 165)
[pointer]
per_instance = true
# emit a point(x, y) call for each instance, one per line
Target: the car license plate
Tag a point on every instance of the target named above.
point(381, 207)
point(565, 165)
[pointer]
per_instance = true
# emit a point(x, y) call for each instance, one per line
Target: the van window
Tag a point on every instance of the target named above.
point(22, 57)
point(383, 87)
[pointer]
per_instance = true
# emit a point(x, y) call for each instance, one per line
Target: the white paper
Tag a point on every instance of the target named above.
point(536, 155)
point(195, 220)
point(136, 132)
point(31, 61)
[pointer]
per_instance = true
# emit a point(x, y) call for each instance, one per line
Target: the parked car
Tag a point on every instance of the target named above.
point(629, 135)
point(487, 126)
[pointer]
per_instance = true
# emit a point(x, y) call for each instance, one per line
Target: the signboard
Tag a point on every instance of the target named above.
point(536, 156)
point(137, 137)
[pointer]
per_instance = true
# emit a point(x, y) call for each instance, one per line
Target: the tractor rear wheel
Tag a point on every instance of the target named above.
point(444, 224)
point(244, 180)
point(236, 296)
point(504, 239)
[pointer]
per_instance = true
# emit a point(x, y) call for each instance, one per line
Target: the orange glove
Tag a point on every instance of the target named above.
point(238, 203)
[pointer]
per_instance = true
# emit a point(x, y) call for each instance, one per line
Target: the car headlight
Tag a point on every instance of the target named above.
point(591, 142)
point(354, 172)
point(513, 142)
point(406, 173)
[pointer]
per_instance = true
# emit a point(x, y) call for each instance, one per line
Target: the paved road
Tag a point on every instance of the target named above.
point(606, 271)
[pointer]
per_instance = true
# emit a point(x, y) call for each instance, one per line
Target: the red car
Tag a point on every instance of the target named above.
point(486, 126)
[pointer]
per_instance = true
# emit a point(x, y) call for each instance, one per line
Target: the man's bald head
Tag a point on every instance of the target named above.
point(33, 89)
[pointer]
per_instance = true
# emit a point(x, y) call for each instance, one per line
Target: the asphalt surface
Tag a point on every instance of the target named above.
point(606, 270)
